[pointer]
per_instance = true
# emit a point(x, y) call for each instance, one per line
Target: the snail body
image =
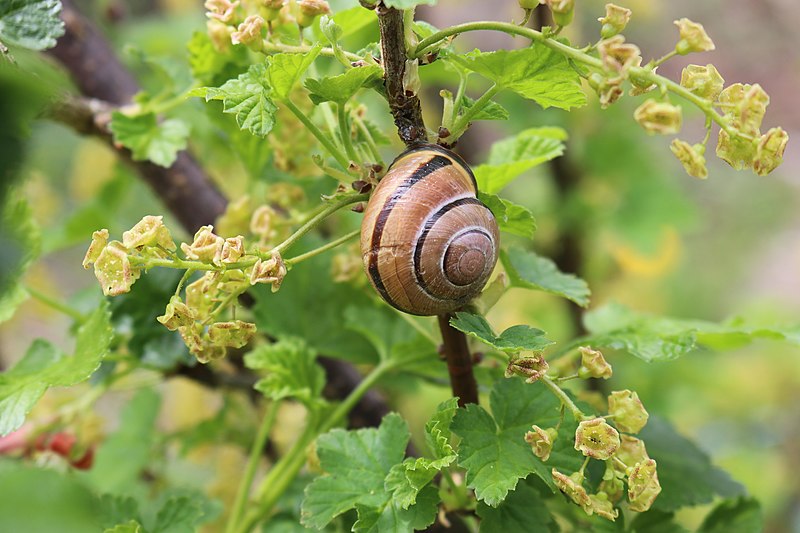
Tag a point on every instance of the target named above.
point(428, 244)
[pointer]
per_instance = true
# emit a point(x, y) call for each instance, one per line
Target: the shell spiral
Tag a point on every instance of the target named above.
point(428, 244)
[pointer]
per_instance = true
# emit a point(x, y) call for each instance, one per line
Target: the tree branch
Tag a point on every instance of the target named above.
point(459, 362)
point(184, 187)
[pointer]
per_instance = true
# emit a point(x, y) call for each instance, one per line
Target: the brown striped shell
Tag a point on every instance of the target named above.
point(428, 244)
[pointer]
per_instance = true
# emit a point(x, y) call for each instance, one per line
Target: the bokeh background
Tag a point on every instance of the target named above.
point(618, 209)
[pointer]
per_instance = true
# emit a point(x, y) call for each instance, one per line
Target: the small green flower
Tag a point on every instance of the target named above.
point(114, 271)
point(151, 232)
point(233, 334)
point(769, 153)
point(600, 505)
point(643, 486)
point(562, 10)
point(737, 151)
point(706, 82)
point(206, 246)
point(745, 106)
point(202, 295)
point(572, 486)
point(533, 367)
point(177, 314)
point(693, 37)
point(541, 441)
point(99, 241)
point(619, 56)
point(271, 9)
point(232, 250)
point(309, 10)
point(595, 438)
point(691, 157)
point(629, 414)
point(615, 20)
point(612, 484)
point(631, 451)
point(608, 89)
point(593, 364)
point(272, 271)
point(658, 117)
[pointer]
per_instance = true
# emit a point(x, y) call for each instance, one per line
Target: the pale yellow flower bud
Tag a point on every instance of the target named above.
point(562, 10)
point(572, 486)
point(177, 314)
point(691, 157)
point(629, 414)
point(206, 246)
point(619, 56)
point(261, 223)
point(533, 367)
point(232, 249)
point(150, 231)
point(272, 271)
point(737, 151)
point(706, 82)
point(693, 37)
point(222, 10)
point(233, 334)
point(541, 441)
point(310, 9)
point(593, 364)
point(615, 20)
point(595, 438)
point(99, 241)
point(658, 117)
point(114, 271)
point(249, 31)
point(643, 486)
point(600, 505)
point(769, 154)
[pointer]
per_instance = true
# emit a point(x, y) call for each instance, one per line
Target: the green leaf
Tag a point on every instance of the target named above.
point(509, 158)
point(527, 270)
point(407, 4)
point(356, 464)
point(43, 367)
point(493, 448)
point(285, 70)
point(119, 461)
point(248, 98)
point(391, 518)
point(522, 510)
point(209, 66)
point(114, 510)
point(44, 500)
point(33, 24)
point(383, 328)
point(178, 515)
point(686, 474)
point(537, 73)
point(129, 527)
point(292, 371)
point(351, 21)
point(512, 340)
point(742, 515)
point(511, 217)
point(147, 139)
point(21, 246)
point(491, 111)
point(341, 88)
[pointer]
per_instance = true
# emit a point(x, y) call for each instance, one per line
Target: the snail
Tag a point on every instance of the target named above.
point(428, 244)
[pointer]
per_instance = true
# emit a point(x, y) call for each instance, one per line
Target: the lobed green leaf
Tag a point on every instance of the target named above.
point(292, 371)
point(530, 271)
point(522, 510)
point(286, 69)
point(33, 24)
point(742, 515)
point(512, 340)
point(341, 88)
point(512, 218)
point(149, 140)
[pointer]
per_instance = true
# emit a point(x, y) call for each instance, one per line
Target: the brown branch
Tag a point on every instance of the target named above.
point(405, 107)
point(184, 187)
point(459, 362)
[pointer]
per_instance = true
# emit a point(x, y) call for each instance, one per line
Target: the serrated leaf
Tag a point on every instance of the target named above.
point(742, 515)
point(119, 461)
point(391, 518)
point(537, 73)
point(208, 65)
point(356, 464)
point(491, 111)
point(149, 140)
point(43, 366)
point(437, 429)
point(493, 449)
point(248, 98)
point(21, 246)
point(292, 371)
point(178, 515)
point(685, 472)
point(527, 270)
point(286, 69)
point(512, 218)
point(129, 527)
point(33, 24)
point(522, 510)
point(114, 510)
point(341, 88)
point(512, 340)
point(510, 157)
point(407, 4)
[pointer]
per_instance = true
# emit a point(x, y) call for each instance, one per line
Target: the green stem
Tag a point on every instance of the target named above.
point(344, 132)
point(256, 452)
point(278, 47)
point(462, 90)
point(580, 56)
point(563, 397)
point(183, 280)
point(373, 147)
point(324, 248)
point(462, 123)
point(321, 137)
point(57, 305)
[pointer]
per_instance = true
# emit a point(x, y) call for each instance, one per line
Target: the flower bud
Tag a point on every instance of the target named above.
point(631, 451)
point(206, 245)
point(209, 352)
point(629, 414)
point(150, 231)
point(99, 241)
point(615, 20)
point(529, 4)
point(272, 271)
point(249, 32)
point(191, 335)
point(221, 10)
point(271, 9)
point(541, 441)
point(309, 10)
point(705, 82)
point(233, 334)
point(220, 34)
point(608, 89)
point(658, 117)
point(262, 221)
point(572, 486)
point(533, 367)
point(113, 270)
point(643, 486)
point(769, 154)
point(562, 11)
point(202, 295)
point(691, 157)
point(601, 505)
point(595, 438)
point(593, 364)
point(177, 314)
point(618, 56)
point(612, 484)
point(693, 37)
point(752, 109)
point(232, 250)
point(737, 151)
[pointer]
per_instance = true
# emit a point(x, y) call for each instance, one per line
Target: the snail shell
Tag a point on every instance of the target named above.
point(428, 244)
